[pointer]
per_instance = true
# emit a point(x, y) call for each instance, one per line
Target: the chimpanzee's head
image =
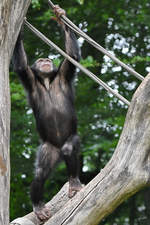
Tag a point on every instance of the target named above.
point(43, 67)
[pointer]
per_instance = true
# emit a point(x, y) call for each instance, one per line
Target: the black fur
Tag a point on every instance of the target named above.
point(53, 108)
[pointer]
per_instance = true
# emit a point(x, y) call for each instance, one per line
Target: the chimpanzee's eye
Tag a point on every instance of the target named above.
point(40, 60)
point(48, 60)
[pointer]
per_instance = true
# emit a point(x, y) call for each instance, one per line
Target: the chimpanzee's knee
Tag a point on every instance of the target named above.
point(71, 146)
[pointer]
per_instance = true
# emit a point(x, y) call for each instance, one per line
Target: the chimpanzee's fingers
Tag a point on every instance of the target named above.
point(59, 11)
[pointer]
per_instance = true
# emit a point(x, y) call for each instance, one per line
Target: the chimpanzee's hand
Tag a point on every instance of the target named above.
point(58, 12)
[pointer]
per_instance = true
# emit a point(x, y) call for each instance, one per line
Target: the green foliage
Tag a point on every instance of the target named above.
point(36, 4)
point(89, 62)
point(81, 2)
point(121, 27)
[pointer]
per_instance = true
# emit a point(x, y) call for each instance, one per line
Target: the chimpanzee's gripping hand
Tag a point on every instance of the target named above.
point(58, 12)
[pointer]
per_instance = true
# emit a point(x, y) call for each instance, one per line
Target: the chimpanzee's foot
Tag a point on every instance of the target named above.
point(42, 212)
point(74, 186)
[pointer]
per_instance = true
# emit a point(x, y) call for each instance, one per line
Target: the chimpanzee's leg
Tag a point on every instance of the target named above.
point(70, 152)
point(47, 157)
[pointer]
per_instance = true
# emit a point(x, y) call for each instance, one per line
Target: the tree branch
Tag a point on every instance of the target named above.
point(56, 203)
point(11, 17)
point(127, 172)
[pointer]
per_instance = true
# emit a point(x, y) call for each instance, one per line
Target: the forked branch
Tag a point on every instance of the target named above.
point(127, 172)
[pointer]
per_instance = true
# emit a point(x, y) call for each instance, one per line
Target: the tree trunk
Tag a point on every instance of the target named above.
point(11, 17)
point(56, 203)
point(127, 172)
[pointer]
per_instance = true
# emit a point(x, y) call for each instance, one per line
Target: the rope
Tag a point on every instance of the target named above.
point(86, 71)
point(96, 45)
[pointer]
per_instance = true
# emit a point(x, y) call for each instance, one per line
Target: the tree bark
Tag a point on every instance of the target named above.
point(11, 17)
point(56, 203)
point(126, 173)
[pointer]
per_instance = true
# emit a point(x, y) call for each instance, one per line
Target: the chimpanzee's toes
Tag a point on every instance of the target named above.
point(42, 212)
point(74, 186)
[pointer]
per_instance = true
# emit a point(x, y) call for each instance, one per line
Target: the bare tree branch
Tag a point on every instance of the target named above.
point(11, 17)
point(126, 173)
point(57, 202)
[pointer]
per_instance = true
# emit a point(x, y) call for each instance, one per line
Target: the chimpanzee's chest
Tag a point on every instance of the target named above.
point(54, 112)
point(58, 100)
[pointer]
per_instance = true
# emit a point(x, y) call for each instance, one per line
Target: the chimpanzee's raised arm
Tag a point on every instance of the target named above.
point(67, 69)
point(21, 66)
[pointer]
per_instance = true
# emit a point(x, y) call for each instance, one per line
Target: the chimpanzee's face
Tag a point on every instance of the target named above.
point(44, 66)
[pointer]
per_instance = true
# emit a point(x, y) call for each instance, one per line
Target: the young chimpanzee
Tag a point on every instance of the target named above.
point(51, 97)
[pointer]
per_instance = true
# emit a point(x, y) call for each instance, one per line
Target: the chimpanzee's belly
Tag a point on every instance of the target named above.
point(56, 119)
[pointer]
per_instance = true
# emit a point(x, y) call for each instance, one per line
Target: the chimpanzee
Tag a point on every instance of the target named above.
point(51, 97)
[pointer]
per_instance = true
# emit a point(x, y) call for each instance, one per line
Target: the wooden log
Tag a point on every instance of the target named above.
point(57, 202)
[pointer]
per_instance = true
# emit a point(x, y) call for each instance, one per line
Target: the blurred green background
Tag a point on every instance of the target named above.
point(123, 28)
